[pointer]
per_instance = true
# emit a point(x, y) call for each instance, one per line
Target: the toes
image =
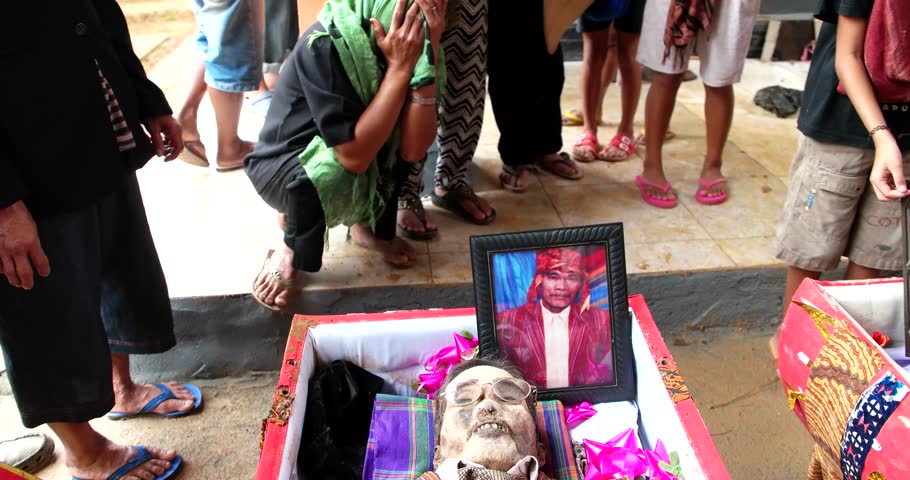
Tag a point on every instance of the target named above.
point(162, 456)
point(282, 298)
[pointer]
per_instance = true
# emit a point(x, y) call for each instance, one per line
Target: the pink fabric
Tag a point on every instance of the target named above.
point(885, 51)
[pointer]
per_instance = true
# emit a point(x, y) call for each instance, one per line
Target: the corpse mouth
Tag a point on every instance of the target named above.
point(491, 428)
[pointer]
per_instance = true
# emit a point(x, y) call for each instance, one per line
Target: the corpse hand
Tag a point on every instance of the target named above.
point(20, 248)
point(887, 175)
point(403, 44)
point(166, 136)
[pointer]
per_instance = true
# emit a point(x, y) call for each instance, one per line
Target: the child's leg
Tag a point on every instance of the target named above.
point(595, 55)
point(627, 47)
point(718, 118)
point(668, 72)
point(658, 111)
point(608, 73)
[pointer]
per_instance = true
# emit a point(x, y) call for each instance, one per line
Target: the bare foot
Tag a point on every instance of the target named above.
point(231, 158)
point(710, 176)
point(474, 204)
point(773, 344)
point(657, 179)
point(111, 456)
point(274, 289)
point(131, 398)
point(396, 252)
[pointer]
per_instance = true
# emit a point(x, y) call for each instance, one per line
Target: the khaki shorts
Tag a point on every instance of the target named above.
point(831, 211)
point(722, 50)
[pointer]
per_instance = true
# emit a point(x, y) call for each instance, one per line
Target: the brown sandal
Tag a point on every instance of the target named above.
point(414, 204)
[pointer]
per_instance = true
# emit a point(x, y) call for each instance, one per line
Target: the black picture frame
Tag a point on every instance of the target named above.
point(484, 248)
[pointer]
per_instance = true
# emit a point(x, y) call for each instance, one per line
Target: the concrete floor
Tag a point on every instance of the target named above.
point(200, 218)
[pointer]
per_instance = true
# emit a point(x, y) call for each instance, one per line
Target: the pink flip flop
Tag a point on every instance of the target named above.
point(710, 199)
point(652, 200)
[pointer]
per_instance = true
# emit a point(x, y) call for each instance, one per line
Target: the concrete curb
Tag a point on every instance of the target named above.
point(234, 335)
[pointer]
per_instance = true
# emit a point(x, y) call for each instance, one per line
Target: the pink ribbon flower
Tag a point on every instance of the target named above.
point(579, 413)
point(440, 364)
point(620, 457)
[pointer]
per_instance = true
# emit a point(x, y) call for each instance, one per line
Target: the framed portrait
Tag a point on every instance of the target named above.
point(554, 303)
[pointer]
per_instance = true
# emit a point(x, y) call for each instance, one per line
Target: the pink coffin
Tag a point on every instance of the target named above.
point(861, 307)
point(394, 345)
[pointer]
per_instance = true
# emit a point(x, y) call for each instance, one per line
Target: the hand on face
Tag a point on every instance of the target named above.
point(435, 13)
point(404, 42)
point(490, 432)
point(559, 288)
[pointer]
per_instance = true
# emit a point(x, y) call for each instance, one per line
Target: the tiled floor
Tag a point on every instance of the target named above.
point(213, 231)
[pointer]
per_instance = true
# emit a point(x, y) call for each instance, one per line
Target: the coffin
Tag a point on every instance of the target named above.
point(395, 345)
point(846, 389)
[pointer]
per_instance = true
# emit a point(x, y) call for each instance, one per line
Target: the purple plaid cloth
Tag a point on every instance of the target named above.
point(401, 439)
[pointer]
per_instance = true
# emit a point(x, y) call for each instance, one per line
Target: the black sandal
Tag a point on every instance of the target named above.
point(450, 202)
point(414, 204)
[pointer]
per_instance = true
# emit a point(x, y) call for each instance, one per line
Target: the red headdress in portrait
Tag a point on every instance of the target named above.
point(568, 260)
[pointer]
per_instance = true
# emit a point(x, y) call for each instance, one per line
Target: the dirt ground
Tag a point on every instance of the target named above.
point(172, 20)
point(733, 379)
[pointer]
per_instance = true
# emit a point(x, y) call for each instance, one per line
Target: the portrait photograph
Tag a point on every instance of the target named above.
point(546, 302)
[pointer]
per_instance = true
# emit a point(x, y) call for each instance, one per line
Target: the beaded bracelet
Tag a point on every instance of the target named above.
point(880, 127)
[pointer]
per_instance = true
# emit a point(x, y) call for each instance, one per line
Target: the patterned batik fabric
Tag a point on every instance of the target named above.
point(838, 377)
point(869, 415)
point(122, 133)
point(401, 440)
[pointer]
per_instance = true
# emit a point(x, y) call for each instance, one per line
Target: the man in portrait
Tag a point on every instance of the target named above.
point(557, 338)
point(485, 426)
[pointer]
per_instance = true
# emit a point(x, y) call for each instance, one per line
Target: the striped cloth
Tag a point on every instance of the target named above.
point(125, 140)
point(400, 444)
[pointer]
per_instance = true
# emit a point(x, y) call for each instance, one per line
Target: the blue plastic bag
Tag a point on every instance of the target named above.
point(605, 10)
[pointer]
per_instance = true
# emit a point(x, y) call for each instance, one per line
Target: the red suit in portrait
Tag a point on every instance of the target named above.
point(520, 331)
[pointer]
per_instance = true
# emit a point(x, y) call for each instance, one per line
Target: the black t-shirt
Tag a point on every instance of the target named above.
point(825, 114)
point(314, 96)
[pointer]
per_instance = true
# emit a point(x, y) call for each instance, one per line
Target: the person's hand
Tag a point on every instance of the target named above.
point(887, 175)
point(403, 44)
point(435, 13)
point(20, 248)
point(166, 136)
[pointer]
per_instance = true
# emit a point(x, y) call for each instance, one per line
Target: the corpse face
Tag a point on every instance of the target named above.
point(491, 433)
point(559, 288)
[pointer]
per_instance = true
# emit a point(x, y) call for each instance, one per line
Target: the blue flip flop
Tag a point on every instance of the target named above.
point(166, 395)
point(143, 457)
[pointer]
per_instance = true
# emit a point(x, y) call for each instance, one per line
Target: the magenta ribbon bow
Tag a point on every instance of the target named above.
point(439, 365)
point(579, 413)
point(620, 457)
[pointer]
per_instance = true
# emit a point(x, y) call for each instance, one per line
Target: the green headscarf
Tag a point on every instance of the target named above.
point(347, 198)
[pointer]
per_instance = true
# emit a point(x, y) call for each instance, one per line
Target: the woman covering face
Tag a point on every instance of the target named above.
point(355, 104)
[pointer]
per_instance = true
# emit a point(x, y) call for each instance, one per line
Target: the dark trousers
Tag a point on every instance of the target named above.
point(105, 294)
point(525, 82)
point(294, 195)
